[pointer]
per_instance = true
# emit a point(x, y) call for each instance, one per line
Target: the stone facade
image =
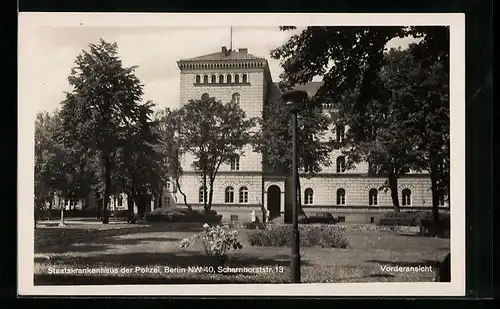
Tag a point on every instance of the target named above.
point(209, 75)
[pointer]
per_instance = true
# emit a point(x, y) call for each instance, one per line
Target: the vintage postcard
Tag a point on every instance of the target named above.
point(241, 154)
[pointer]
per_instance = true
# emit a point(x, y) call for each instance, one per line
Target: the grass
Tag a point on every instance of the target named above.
point(156, 247)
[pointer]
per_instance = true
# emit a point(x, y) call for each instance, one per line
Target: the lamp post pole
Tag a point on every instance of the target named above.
point(294, 101)
point(295, 264)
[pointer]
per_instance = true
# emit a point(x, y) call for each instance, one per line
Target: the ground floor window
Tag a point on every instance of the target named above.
point(229, 195)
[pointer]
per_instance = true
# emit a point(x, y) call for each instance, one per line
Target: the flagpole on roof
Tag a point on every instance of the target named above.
point(231, 39)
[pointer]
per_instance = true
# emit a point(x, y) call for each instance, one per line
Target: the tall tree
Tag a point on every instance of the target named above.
point(171, 149)
point(351, 59)
point(274, 141)
point(105, 99)
point(214, 133)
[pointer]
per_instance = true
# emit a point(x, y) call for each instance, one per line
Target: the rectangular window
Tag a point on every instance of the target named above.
point(372, 220)
point(341, 219)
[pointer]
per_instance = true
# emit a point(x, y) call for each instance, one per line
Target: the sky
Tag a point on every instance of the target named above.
point(49, 54)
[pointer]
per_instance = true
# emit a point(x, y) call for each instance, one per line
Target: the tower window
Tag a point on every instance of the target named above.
point(228, 79)
point(236, 98)
point(341, 164)
point(214, 79)
point(340, 196)
point(236, 79)
point(308, 196)
point(340, 133)
point(235, 163)
point(221, 79)
point(201, 195)
point(245, 78)
point(205, 79)
point(198, 79)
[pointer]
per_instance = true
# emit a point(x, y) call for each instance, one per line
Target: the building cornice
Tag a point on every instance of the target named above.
point(222, 64)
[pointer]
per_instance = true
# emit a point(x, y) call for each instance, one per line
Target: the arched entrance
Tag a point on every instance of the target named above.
point(274, 200)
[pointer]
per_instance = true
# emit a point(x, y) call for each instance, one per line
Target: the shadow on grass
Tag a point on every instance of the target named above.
point(406, 263)
point(385, 276)
point(110, 280)
point(172, 260)
point(101, 244)
point(178, 259)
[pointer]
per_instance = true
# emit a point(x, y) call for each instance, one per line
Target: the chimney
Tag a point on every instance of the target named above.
point(224, 50)
point(243, 51)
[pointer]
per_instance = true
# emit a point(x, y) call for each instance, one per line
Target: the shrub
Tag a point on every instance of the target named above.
point(310, 236)
point(403, 218)
point(182, 215)
point(428, 227)
point(254, 225)
point(216, 241)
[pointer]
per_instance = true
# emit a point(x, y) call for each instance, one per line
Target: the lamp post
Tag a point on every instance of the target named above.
point(294, 101)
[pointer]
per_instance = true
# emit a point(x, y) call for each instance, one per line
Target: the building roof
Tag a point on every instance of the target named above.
point(311, 88)
point(225, 55)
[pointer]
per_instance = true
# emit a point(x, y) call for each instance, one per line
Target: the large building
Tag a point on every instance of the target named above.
point(244, 185)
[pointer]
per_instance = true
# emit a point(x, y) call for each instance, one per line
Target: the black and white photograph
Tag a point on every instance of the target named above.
point(241, 154)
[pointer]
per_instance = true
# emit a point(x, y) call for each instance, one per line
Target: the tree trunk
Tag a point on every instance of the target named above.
point(393, 185)
point(183, 194)
point(210, 194)
point(50, 208)
point(205, 202)
point(130, 202)
point(299, 196)
point(435, 199)
point(160, 199)
point(107, 189)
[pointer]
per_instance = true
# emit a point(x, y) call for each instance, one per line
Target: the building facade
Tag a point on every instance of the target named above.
point(244, 185)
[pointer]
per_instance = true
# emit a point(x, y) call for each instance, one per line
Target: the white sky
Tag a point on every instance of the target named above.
point(50, 52)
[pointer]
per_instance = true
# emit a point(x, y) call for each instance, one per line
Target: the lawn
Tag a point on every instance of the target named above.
point(151, 255)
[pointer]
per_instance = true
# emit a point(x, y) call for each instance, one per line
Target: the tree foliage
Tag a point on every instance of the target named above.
point(395, 105)
point(214, 133)
point(102, 107)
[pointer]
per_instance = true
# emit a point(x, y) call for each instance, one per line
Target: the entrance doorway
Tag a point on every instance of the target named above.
point(274, 200)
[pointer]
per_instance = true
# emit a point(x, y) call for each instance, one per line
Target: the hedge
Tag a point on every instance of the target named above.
point(324, 236)
point(183, 215)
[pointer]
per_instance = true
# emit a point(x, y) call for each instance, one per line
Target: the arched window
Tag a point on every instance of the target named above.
point(341, 164)
point(201, 195)
point(205, 96)
point(214, 79)
point(308, 196)
point(228, 79)
point(373, 197)
point(221, 79)
point(235, 163)
point(198, 79)
point(229, 195)
point(245, 78)
point(340, 130)
point(340, 196)
point(406, 197)
point(120, 200)
point(236, 98)
point(205, 79)
point(243, 195)
point(237, 79)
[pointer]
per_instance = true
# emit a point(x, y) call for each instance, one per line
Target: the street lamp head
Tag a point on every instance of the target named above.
point(295, 100)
